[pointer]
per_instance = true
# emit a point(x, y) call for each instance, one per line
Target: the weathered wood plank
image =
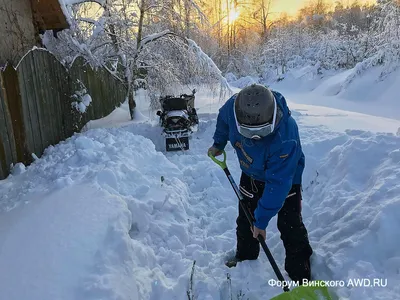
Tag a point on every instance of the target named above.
point(12, 116)
point(5, 144)
point(44, 99)
point(38, 99)
point(41, 100)
point(57, 92)
point(47, 97)
point(11, 92)
point(60, 77)
point(28, 85)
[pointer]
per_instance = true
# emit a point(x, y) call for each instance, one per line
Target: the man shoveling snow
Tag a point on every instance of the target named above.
point(259, 126)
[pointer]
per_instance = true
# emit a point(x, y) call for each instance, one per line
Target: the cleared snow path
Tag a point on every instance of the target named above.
point(105, 215)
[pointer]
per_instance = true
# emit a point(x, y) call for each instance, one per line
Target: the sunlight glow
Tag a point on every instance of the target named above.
point(291, 7)
point(233, 15)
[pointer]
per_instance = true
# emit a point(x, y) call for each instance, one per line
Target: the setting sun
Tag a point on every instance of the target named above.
point(233, 15)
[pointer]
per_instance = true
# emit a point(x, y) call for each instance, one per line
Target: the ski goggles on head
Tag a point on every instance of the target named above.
point(257, 131)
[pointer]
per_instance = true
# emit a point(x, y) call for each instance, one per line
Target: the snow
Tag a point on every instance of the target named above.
point(243, 81)
point(152, 37)
point(34, 48)
point(107, 214)
point(66, 6)
point(206, 60)
point(84, 100)
point(65, 3)
point(373, 91)
point(340, 120)
point(19, 168)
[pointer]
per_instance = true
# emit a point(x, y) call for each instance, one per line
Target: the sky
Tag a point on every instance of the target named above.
point(289, 6)
point(292, 6)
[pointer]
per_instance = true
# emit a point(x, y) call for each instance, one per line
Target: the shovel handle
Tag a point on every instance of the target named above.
point(220, 163)
point(249, 217)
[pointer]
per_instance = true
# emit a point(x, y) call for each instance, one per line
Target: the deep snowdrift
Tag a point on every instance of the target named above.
point(352, 195)
point(105, 216)
point(369, 91)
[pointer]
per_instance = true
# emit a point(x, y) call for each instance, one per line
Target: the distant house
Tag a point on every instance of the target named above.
point(21, 23)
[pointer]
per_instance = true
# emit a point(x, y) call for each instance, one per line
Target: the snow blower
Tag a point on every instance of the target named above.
point(315, 290)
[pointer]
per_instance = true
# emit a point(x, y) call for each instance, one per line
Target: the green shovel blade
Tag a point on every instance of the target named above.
point(316, 292)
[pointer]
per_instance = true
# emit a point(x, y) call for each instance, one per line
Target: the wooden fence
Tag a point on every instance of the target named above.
point(36, 108)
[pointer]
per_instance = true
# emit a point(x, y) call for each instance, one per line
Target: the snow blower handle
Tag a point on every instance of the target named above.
point(250, 217)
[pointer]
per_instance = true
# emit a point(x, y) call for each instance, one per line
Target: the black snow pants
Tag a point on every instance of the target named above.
point(293, 232)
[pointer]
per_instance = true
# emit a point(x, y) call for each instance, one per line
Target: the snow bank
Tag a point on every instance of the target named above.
point(119, 117)
point(339, 120)
point(373, 91)
point(64, 228)
point(352, 209)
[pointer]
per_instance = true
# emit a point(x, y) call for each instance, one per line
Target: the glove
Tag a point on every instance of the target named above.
point(214, 151)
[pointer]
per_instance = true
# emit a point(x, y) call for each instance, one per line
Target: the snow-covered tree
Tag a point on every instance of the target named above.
point(134, 40)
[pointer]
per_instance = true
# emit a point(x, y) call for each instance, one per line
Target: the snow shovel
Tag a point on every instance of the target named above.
point(314, 290)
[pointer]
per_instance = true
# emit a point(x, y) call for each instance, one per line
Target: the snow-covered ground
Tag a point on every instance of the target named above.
point(370, 92)
point(373, 91)
point(108, 215)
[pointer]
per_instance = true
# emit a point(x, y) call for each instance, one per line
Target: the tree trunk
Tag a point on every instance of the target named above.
point(229, 26)
point(187, 18)
point(220, 35)
point(142, 12)
point(235, 5)
point(131, 101)
point(111, 27)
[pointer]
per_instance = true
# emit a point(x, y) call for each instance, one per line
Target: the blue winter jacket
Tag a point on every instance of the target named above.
point(277, 159)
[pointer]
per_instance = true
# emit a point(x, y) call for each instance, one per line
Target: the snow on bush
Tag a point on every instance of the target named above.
point(83, 100)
